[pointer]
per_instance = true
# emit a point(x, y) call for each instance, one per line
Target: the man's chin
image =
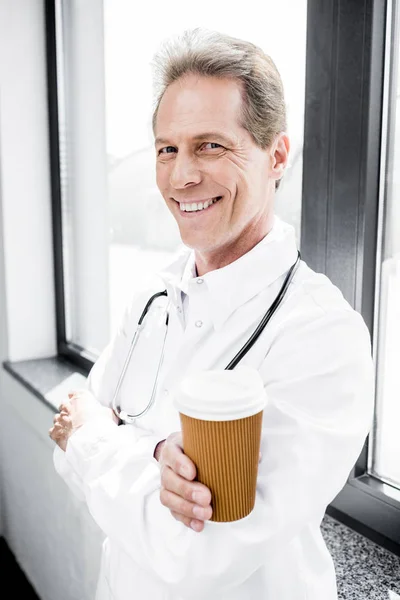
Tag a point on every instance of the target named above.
point(196, 242)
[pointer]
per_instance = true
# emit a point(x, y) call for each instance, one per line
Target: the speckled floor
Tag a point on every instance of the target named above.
point(364, 570)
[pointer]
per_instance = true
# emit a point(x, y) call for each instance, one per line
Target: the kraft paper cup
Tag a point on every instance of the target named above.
point(221, 416)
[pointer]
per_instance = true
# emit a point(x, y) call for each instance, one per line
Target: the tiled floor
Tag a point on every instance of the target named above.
point(12, 574)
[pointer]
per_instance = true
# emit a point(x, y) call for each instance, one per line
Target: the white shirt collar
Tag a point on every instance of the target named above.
point(231, 286)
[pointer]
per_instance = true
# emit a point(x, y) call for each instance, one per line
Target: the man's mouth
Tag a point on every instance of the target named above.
point(190, 207)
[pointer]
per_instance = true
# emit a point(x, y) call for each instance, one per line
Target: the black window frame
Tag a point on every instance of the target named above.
point(341, 190)
point(340, 198)
point(68, 351)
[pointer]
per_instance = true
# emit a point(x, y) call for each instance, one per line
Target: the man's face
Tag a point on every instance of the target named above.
point(204, 155)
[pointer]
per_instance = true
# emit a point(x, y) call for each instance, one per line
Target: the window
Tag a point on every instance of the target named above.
point(351, 58)
point(114, 225)
point(342, 182)
point(385, 450)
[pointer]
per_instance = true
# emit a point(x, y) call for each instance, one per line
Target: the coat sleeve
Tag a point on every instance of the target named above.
point(318, 376)
point(101, 382)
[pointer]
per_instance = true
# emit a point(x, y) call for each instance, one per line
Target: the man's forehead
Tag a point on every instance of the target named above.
point(199, 105)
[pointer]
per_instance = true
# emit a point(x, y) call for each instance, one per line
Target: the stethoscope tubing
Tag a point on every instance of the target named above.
point(266, 318)
point(128, 418)
point(121, 414)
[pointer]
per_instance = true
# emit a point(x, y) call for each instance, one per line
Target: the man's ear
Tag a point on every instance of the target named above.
point(279, 155)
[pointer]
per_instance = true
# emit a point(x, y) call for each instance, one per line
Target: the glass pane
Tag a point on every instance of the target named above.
point(83, 170)
point(111, 192)
point(385, 462)
point(143, 232)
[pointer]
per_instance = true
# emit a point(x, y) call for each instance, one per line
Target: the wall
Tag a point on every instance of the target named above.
point(25, 180)
point(51, 535)
point(50, 532)
point(3, 332)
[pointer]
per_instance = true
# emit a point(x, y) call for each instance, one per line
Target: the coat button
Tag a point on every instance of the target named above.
point(200, 280)
point(199, 323)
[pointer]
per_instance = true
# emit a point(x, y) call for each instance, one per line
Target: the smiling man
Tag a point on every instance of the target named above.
point(221, 150)
point(217, 182)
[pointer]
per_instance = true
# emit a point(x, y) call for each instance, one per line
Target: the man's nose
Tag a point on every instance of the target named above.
point(184, 172)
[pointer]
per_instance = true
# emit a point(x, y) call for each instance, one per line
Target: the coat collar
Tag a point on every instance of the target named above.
point(233, 285)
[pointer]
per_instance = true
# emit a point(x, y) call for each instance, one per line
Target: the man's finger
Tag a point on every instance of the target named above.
point(74, 393)
point(183, 507)
point(185, 489)
point(175, 458)
point(57, 427)
point(192, 523)
point(56, 433)
point(65, 407)
point(60, 418)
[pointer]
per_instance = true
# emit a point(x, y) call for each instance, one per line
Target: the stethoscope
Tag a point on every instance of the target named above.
point(126, 417)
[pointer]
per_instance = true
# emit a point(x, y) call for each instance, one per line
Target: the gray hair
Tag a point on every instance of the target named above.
point(212, 54)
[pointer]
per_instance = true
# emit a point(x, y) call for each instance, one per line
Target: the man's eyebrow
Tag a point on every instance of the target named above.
point(209, 135)
point(161, 140)
point(214, 136)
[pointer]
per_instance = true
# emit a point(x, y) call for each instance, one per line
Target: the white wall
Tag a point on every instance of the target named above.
point(52, 536)
point(25, 180)
point(3, 335)
point(50, 532)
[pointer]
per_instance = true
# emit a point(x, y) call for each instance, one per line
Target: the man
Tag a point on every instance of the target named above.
point(221, 149)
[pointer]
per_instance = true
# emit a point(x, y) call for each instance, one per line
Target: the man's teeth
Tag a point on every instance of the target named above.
point(195, 206)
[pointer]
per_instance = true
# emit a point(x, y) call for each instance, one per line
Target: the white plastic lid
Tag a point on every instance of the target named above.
point(220, 395)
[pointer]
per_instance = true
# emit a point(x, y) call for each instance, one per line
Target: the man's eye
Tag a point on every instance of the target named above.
point(166, 150)
point(212, 145)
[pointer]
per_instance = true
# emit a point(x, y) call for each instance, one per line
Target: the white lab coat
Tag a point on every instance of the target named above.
point(315, 360)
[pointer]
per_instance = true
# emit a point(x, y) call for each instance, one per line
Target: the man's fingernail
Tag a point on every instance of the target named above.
point(198, 497)
point(195, 525)
point(199, 512)
point(185, 471)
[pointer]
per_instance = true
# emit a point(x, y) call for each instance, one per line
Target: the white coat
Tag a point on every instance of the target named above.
point(315, 361)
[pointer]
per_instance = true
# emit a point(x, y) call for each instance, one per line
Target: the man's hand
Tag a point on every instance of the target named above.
point(80, 407)
point(189, 501)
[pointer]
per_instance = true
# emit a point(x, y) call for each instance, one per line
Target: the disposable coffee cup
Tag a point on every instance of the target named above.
point(221, 417)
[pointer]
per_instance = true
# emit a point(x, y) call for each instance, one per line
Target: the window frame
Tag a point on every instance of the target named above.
point(343, 183)
point(340, 199)
point(73, 353)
